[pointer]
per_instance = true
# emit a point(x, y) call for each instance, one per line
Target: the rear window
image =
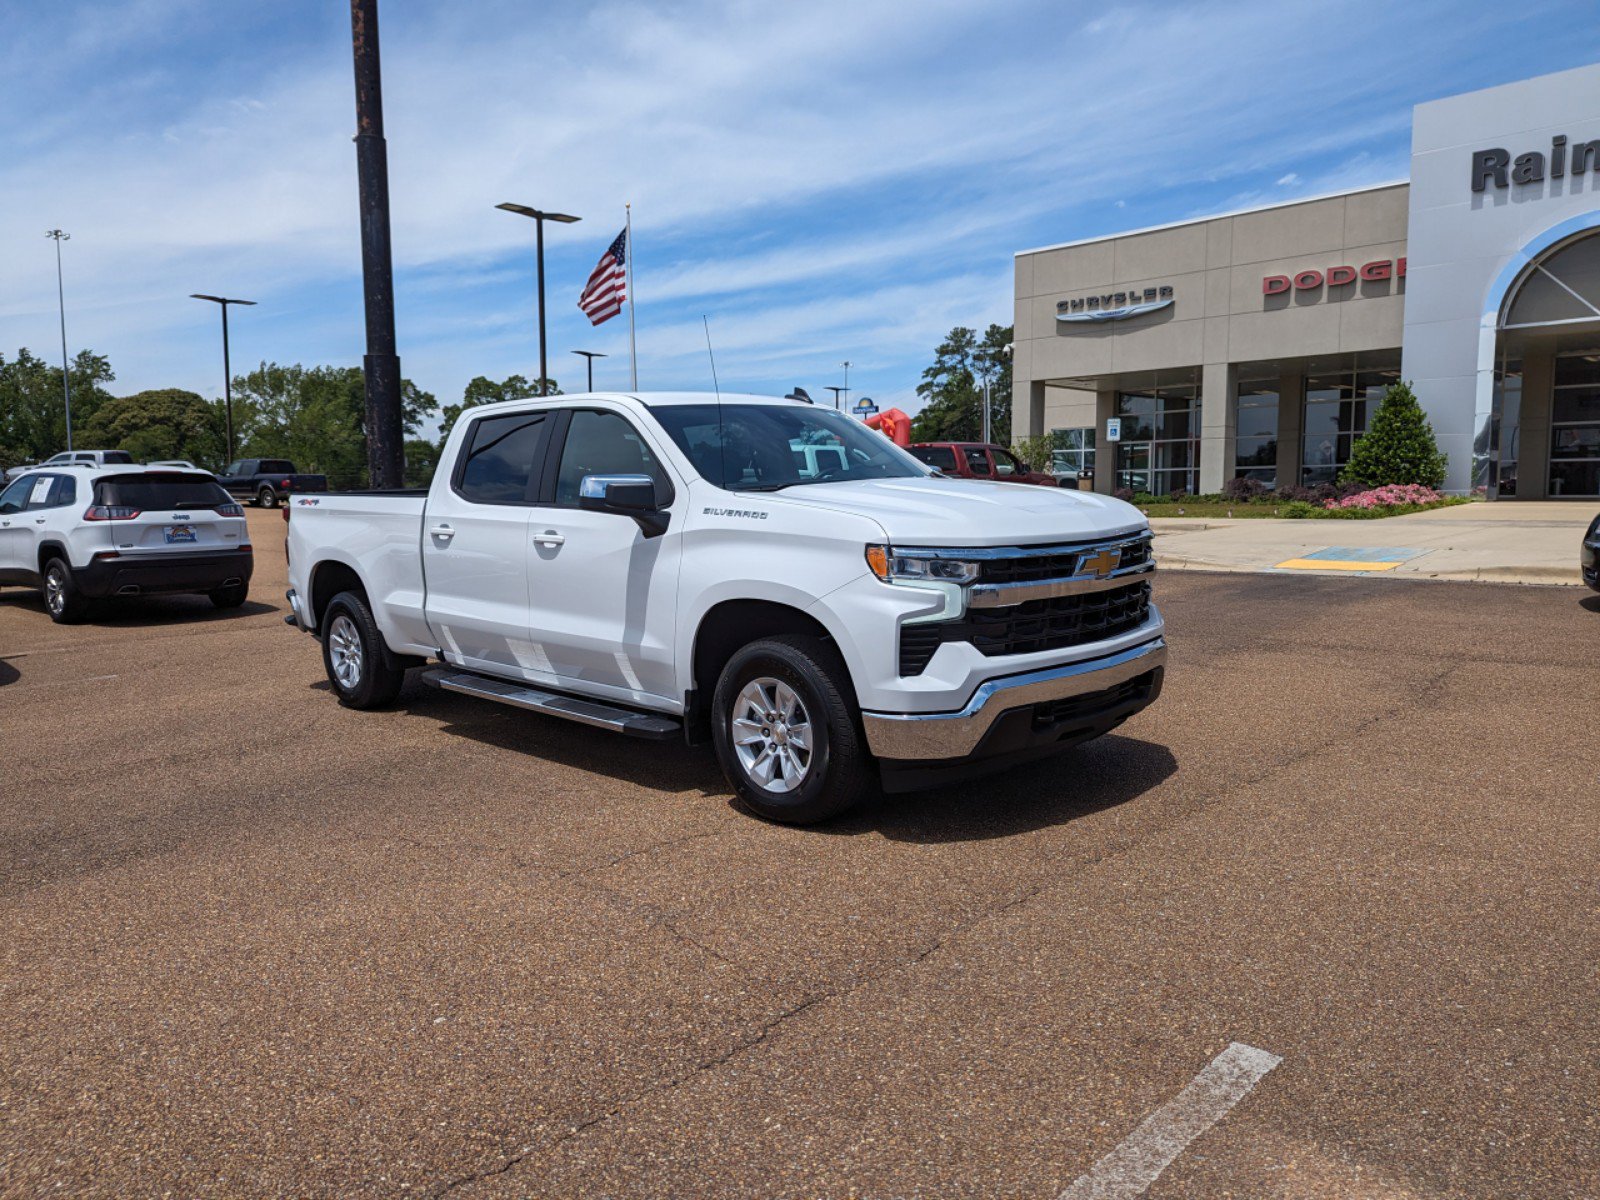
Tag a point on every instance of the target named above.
point(118, 457)
point(941, 458)
point(276, 466)
point(161, 491)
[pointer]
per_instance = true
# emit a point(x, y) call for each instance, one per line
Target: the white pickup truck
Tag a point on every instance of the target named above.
point(764, 574)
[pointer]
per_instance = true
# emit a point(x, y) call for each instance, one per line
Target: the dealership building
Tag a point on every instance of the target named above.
point(1258, 343)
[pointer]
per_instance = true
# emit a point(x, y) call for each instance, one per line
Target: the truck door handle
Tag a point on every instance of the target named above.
point(549, 538)
point(443, 532)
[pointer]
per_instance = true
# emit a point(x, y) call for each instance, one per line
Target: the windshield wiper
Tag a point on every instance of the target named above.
point(763, 487)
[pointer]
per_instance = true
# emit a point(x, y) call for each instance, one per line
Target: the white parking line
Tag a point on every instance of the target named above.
point(1149, 1150)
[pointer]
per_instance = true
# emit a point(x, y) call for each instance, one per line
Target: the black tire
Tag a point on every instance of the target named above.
point(232, 596)
point(267, 498)
point(838, 773)
point(62, 599)
point(378, 673)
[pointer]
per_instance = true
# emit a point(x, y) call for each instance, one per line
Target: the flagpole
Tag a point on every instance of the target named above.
point(633, 350)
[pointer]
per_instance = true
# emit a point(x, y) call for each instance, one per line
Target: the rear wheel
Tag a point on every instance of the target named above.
point(364, 672)
point(62, 600)
point(232, 596)
point(267, 498)
point(786, 732)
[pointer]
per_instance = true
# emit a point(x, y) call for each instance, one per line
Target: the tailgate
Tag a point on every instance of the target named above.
point(168, 513)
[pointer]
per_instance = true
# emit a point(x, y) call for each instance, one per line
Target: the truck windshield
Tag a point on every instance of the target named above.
point(765, 447)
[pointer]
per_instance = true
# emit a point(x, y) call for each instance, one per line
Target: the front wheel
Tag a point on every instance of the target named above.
point(363, 670)
point(267, 498)
point(786, 732)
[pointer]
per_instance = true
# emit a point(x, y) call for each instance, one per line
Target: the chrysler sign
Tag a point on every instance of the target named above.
point(1115, 306)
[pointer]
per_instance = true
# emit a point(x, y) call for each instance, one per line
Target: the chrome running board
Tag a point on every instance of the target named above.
point(652, 726)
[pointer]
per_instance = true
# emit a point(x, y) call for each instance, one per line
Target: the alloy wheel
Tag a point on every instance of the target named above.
point(55, 592)
point(772, 734)
point(344, 652)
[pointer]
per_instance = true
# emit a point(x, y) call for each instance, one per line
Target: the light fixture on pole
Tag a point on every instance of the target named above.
point(828, 387)
point(61, 297)
point(539, 218)
point(589, 357)
point(227, 370)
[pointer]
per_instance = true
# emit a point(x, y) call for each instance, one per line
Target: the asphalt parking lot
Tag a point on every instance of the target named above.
point(252, 943)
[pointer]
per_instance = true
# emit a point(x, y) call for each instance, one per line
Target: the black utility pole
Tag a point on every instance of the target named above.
point(589, 357)
point(227, 371)
point(539, 218)
point(381, 365)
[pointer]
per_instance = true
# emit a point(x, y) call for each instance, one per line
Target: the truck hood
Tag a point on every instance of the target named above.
point(960, 512)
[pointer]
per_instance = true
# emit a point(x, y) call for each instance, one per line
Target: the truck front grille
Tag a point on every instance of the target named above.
point(1034, 564)
point(1029, 628)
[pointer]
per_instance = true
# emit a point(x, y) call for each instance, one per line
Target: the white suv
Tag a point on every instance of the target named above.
point(79, 533)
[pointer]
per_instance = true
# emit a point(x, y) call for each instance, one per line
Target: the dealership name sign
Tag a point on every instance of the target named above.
point(1496, 167)
point(1114, 306)
point(1306, 281)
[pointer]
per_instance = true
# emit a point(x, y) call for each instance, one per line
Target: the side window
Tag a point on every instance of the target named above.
point(940, 458)
point(499, 457)
point(978, 461)
point(602, 443)
point(233, 468)
point(15, 498)
point(1005, 464)
point(66, 492)
point(39, 497)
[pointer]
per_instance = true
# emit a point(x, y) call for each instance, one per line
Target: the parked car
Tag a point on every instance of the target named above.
point(668, 566)
point(979, 460)
point(81, 533)
point(89, 458)
point(1589, 555)
point(268, 481)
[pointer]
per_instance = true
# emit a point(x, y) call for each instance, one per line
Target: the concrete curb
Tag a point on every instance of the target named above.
point(1522, 576)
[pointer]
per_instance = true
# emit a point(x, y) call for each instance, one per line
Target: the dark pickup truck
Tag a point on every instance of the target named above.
point(267, 481)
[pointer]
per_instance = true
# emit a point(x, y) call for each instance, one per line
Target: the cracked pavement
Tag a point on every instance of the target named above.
point(254, 944)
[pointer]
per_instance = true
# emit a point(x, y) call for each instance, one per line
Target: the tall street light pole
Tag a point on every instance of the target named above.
point(539, 218)
point(61, 297)
point(846, 366)
point(227, 370)
point(381, 364)
point(589, 357)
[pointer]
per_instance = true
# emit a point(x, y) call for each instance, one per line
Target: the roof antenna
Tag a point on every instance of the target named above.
point(712, 357)
point(722, 444)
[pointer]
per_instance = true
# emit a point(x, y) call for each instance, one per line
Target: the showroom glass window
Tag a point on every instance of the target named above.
point(1160, 448)
point(1256, 443)
point(1339, 408)
point(1071, 452)
point(1575, 426)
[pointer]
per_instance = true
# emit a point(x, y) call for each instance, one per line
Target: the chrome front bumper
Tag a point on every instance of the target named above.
point(947, 735)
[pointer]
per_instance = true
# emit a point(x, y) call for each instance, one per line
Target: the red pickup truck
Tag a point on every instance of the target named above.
point(976, 460)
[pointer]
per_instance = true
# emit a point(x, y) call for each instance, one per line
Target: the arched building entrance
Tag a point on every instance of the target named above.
point(1539, 432)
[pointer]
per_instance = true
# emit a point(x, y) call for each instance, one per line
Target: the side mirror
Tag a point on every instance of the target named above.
point(626, 496)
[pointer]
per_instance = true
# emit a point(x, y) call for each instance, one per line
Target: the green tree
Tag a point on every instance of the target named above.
point(1398, 447)
point(422, 459)
point(483, 390)
point(164, 423)
point(316, 417)
point(952, 388)
point(33, 418)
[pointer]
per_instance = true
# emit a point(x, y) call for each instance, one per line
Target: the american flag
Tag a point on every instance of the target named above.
point(608, 286)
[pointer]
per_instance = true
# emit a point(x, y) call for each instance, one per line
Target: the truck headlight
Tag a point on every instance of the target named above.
point(889, 566)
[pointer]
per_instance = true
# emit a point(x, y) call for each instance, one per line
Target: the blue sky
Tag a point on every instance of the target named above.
point(825, 181)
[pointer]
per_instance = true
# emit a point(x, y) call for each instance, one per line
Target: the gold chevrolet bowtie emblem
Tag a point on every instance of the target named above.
point(1099, 564)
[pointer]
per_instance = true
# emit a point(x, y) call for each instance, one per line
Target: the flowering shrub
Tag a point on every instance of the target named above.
point(1388, 496)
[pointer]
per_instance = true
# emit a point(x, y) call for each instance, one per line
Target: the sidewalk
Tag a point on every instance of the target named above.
point(1510, 541)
